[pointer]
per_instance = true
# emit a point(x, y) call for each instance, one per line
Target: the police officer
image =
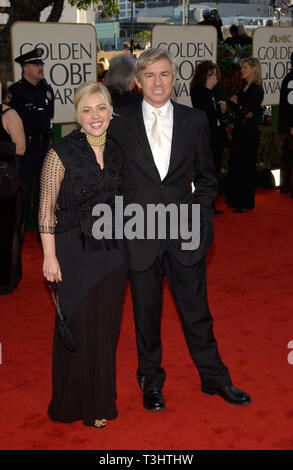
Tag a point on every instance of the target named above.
point(33, 99)
point(285, 128)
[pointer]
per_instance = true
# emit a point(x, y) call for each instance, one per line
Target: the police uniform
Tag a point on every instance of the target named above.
point(35, 105)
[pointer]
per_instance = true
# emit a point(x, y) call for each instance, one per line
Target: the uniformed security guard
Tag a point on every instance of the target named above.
point(33, 99)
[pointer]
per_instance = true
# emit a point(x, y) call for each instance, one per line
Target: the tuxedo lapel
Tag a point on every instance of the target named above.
point(138, 127)
point(177, 136)
point(146, 156)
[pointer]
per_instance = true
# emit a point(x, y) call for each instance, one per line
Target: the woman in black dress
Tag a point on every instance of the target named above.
point(12, 144)
point(80, 171)
point(206, 95)
point(245, 138)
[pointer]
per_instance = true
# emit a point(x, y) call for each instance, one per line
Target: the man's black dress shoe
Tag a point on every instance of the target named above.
point(240, 211)
point(230, 394)
point(284, 190)
point(153, 400)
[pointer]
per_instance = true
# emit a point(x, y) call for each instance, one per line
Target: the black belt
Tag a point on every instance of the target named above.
point(40, 139)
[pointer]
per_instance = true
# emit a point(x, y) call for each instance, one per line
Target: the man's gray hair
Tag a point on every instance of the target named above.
point(150, 56)
point(120, 74)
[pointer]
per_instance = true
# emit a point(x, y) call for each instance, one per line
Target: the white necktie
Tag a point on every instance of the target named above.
point(156, 144)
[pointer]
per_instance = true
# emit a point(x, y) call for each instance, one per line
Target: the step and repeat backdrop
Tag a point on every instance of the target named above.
point(70, 56)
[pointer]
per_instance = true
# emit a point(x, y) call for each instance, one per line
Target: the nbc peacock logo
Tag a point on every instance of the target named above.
point(277, 38)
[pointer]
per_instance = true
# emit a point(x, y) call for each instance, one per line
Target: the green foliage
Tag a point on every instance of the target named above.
point(270, 148)
point(143, 37)
point(228, 60)
point(107, 8)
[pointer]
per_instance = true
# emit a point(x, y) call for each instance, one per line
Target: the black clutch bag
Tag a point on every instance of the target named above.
point(63, 328)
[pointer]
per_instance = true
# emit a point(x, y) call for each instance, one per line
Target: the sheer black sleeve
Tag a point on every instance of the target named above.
point(51, 177)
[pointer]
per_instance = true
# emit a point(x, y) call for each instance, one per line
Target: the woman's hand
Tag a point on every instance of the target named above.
point(234, 99)
point(51, 269)
point(211, 81)
point(223, 106)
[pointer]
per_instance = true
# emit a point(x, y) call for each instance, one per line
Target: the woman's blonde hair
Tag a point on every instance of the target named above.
point(254, 62)
point(87, 89)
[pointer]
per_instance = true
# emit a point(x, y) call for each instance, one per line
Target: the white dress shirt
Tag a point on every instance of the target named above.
point(166, 118)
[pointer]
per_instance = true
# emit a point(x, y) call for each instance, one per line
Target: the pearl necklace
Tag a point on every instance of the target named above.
point(95, 141)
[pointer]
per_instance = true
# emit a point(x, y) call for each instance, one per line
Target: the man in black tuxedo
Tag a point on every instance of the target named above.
point(163, 155)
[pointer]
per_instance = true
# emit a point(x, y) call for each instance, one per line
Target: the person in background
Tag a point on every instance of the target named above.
point(205, 95)
point(285, 128)
point(80, 171)
point(120, 80)
point(105, 62)
point(12, 145)
point(126, 45)
point(216, 15)
point(245, 138)
point(246, 39)
point(101, 72)
point(33, 99)
point(211, 20)
point(235, 39)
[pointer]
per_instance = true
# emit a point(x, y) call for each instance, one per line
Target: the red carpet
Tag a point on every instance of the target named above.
point(250, 272)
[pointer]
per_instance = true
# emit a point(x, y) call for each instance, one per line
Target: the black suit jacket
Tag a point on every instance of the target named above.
point(285, 108)
point(190, 162)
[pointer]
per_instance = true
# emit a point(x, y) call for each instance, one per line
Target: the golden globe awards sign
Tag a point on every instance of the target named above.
point(273, 47)
point(190, 45)
point(69, 55)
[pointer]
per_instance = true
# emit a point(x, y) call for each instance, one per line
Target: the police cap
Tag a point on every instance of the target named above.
point(32, 57)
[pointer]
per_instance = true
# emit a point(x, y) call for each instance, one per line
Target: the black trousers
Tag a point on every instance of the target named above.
point(286, 175)
point(188, 286)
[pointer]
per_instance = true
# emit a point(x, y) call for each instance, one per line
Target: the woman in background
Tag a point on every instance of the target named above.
point(12, 144)
point(245, 138)
point(206, 95)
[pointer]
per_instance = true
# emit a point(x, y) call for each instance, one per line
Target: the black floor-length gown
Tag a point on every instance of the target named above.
point(10, 215)
point(244, 147)
point(208, 101)
point(93, 281)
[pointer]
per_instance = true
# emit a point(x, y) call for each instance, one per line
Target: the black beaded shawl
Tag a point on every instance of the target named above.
point(72, 183)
